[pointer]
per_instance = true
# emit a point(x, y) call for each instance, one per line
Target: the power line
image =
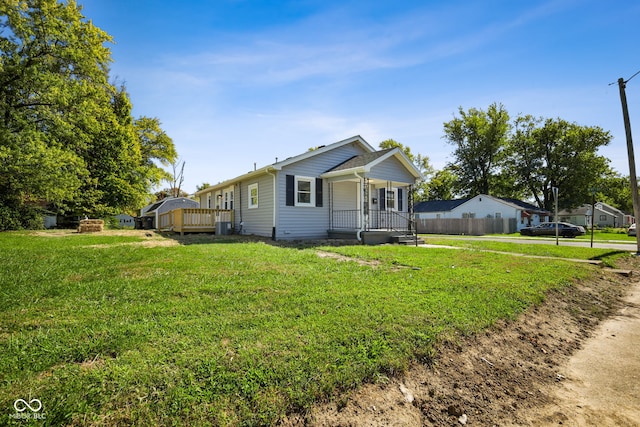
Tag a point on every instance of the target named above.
point(626, 81)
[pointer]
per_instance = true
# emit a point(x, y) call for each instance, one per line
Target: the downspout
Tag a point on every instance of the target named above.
point(362, 202)
point(273, 226)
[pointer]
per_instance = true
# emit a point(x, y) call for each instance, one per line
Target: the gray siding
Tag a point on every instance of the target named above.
point(258, 221)
point(296, 222)
point(391, 170)
point(345, 195)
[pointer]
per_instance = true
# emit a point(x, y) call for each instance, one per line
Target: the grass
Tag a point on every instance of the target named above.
point(103, 330)
point(608, 256)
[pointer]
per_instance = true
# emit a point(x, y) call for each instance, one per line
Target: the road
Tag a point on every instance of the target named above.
point(603, 244)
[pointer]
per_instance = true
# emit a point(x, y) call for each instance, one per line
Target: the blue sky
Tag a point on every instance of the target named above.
point(238, 82)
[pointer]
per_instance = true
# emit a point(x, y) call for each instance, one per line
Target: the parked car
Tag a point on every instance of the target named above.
point(632, 230)
point(565, 229)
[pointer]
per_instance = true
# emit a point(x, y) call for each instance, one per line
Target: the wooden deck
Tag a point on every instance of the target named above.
point(193, 220)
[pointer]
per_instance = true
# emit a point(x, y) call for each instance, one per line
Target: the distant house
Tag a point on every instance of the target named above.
point(150, 213)
point(346, 187)
point(125, 220)
point(520, 214)
point(605, 216)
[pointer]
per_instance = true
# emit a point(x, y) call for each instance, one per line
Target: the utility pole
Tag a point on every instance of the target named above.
point(632, 161)
point(555, 215)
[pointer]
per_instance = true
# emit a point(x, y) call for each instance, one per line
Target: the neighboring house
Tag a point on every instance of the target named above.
point(605, 216)
point(480, 207)
point(346, 186)
point(125, 220)
point(150, 213)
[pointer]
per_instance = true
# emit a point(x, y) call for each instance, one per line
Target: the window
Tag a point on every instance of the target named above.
point(603, 217)
point(305, 191)
point(498, 215)
point(228, 198)
point(391, 199)
point(208, 200)
point(253, 196)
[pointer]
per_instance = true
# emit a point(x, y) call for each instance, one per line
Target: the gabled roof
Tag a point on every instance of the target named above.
point(364, 162)
point(360, 161)
point(323, 149)
point(449, 205)
point(438, 205)
point(155, 206)
point(599, 207)
point(524, 205)
point(279, 165)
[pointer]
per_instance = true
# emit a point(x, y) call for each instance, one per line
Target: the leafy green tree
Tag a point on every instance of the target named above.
point(443, 185)
point(547, 153)
point(615, 190)
point(155, 146)
point(479, 138)
point(202, 186)
point(67, 138)
point(421, 163)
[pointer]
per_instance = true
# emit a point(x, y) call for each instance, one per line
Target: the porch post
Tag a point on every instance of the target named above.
point(364, 182)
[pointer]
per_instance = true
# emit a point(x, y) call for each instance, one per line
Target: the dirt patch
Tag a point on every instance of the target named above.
point(519, 373)
point(344, 258)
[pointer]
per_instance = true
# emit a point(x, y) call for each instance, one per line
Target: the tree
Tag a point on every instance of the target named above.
point(155, 145)
point(67, 137)
point(443, 185)
point(421, 163)
point(615, 190)
point(177, 177)
point(480, 138)
point(547, 153)
point(202, 186)
point(53, 72)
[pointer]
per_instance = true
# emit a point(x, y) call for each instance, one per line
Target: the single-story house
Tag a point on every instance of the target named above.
point(150, 213)
point(483, 206)
point(605, 216)
point(345, 187)
point(125, 220)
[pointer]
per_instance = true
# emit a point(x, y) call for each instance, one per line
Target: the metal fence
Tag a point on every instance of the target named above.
point(377, 220)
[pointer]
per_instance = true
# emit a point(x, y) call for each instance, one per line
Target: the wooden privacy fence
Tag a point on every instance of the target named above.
point(470, 226)
point(184, 220)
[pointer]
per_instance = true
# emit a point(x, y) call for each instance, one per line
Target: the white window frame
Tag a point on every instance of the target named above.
point(312, 191)
point(393, 192)
point(498, 215)
point(253, 204)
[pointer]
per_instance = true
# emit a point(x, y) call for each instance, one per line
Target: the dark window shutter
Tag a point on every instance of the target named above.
point(318, 192)
point(290, 190)
point(382, 200)
point(399, 199)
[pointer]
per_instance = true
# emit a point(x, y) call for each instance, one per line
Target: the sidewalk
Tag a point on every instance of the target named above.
point(602, 380)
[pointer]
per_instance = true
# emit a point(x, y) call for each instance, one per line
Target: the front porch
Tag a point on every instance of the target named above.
point(382, 213)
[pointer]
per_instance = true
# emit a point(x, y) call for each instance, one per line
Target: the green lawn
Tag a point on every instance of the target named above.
point(105, 330)
point(608, 256)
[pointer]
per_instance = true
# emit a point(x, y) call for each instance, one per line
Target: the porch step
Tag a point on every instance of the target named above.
point(407, 240)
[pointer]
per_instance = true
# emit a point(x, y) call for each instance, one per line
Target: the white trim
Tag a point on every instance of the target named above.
point(250, 204)
point(312, 191)
point(279, 165)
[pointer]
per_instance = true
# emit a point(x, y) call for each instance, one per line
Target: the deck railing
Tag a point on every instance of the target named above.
point(193, 219)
